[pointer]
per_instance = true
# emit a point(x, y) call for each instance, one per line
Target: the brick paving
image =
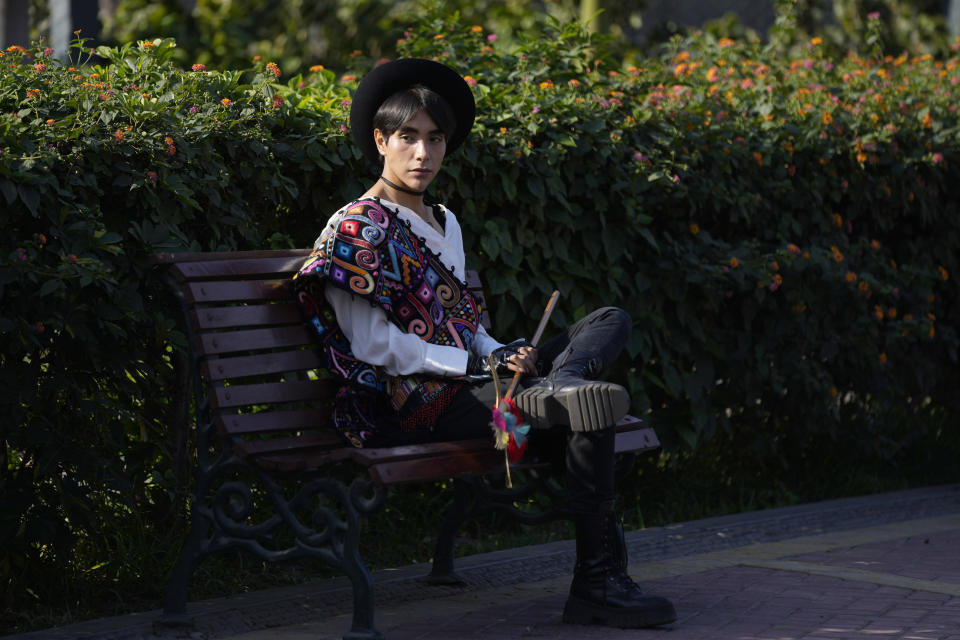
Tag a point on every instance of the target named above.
point(884, 566)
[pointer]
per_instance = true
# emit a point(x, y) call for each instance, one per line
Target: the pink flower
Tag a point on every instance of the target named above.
point(152, 176)
point(492, 37)
point(937, 157)
point(875, 15)
point(199, 67)
point(343, 128)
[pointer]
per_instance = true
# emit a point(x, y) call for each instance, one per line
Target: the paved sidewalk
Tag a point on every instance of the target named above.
point(883, 566)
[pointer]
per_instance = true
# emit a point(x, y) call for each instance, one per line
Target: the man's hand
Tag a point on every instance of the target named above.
point(519, 355)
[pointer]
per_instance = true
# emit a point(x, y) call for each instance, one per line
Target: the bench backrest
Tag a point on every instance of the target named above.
point(257, 357)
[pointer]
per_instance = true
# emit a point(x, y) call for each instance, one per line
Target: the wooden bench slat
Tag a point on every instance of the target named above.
point(293, 444)
point(240, 268)
point(223, 317)
point(262, 364)
point(636, 440)
point(447, 466)
point(270, 421)
point(220, 342)
point(301, 460)
point(242, 395)
point(368, 457)
point(238, 291)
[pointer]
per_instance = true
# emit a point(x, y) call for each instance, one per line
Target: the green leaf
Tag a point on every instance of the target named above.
point(9, 190)
point(49, 287)
point(509, 187)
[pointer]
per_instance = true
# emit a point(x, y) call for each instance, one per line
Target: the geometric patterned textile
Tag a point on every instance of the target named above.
point(373, 253)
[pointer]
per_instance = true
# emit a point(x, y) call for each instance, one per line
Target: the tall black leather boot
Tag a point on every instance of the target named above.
point(602, 593)
point(572, 396)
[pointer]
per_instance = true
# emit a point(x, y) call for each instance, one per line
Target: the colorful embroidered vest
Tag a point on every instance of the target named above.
point(372, 253)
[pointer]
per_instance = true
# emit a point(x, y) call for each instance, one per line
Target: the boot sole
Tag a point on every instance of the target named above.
point(578, 611)
point(587, 407)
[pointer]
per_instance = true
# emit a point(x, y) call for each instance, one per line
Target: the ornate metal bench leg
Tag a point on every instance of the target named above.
point(462, 508)
point(360, 577)
point(362, 627)
point(175, 599)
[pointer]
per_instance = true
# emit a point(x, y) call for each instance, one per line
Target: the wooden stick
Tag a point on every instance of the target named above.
point(536, 338)
point(496, 378)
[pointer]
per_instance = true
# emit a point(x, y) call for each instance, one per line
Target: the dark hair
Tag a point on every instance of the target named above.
point(399, 108)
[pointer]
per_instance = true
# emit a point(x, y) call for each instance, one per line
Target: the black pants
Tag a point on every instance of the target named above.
point(588, 456)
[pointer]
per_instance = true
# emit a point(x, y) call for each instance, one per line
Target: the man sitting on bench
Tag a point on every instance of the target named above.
point(383, 289)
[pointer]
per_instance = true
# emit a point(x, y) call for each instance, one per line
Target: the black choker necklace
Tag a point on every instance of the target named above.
point(404, 189)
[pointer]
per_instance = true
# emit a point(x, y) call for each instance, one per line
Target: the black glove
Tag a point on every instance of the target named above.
point(480, 365)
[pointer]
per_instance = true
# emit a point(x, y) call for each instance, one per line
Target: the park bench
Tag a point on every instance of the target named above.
point(263, 437)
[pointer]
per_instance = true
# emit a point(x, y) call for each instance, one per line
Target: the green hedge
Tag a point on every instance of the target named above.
point(781, 229)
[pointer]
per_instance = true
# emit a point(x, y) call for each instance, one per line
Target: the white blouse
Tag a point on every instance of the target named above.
point(376, 340)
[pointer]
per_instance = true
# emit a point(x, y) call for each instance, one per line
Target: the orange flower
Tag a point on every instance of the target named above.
point(226, 102)
point(837, 220)
point(878, 312)
point(943, 273)
point(274, 69)
point(316, 68)
point(118, 136)
point(837, 255)
point(883, 358)
point(546, 84)
point(850, 276)
point(758, 157)
point(734, 262)
point(476, 29)
point(833, 392)
point(694, 228)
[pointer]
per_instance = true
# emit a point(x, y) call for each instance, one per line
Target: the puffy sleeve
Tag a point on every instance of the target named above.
point(483, 342)
point(377, 341)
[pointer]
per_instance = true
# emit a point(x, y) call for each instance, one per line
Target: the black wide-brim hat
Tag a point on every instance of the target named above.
point(397, 75)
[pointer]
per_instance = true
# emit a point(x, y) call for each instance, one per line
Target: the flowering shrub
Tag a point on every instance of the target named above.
point(780, 228)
